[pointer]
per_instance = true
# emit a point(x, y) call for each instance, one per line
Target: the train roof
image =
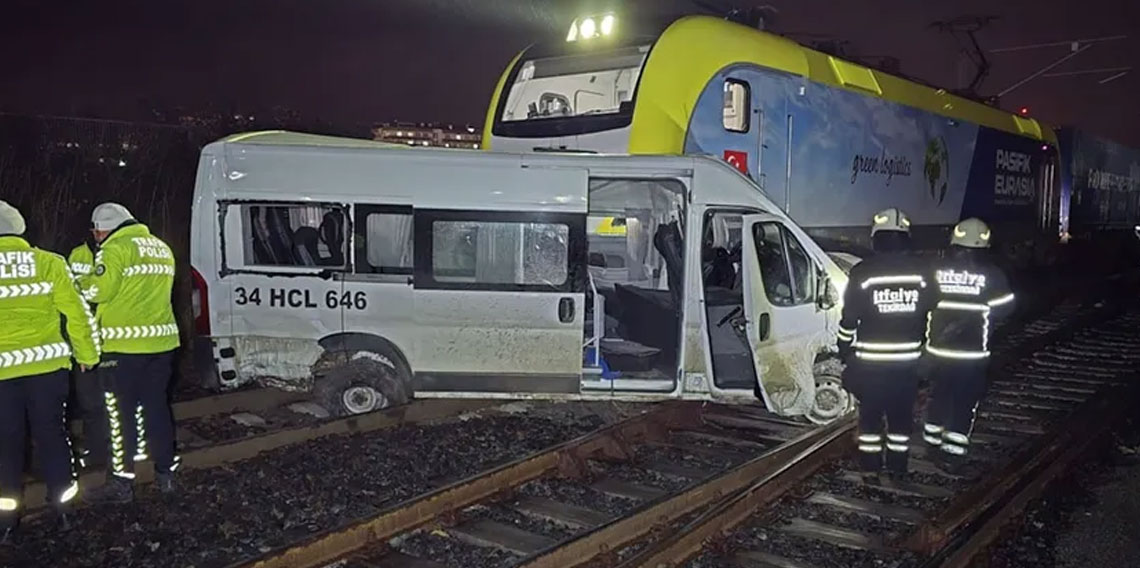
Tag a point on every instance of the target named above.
point(701, 46)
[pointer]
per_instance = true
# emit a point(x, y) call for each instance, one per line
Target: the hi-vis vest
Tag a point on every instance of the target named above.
point(81, 260)
point(35, 288)
point(131, 284)
point(884, 308)
point(973, 297)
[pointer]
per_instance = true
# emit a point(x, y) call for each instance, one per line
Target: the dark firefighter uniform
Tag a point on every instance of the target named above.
point(131, 286)
point(81, 259)
point(36, 288)
point(881, 337)
point(973, 297)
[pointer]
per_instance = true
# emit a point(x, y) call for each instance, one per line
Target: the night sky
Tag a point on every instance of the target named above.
point(358, 62)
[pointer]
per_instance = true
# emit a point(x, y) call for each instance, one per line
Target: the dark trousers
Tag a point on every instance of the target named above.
point(89, 394)
point(138, 412)
point(958, 386)
point(42, 401)
point(885, 390)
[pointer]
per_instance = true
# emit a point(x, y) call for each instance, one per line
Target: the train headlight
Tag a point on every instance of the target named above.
point(592, 26)
point(608, 24)
point(588, 28)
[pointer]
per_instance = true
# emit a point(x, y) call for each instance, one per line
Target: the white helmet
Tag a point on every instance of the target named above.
point(890, 220)
point(108, 216)
point(971, 233)
point(11, 221)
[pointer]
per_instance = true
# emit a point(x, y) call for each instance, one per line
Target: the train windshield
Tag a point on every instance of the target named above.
point(567, 86)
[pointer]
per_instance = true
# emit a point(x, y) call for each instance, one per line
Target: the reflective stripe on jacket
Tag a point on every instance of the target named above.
point(36, 287)
point(131, 284)
point(974, 296)
point(884, 308)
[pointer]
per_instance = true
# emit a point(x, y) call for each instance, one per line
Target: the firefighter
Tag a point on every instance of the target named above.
point(87, 391)
point(881, 334)
point(36, 288)
point(973, 298)
point(131, 287)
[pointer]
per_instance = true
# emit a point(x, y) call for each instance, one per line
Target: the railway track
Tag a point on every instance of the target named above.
point(220, 429)
point(551, 497)
point(667, 487)
point(1044, 409)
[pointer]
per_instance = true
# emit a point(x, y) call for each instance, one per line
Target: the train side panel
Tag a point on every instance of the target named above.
point(1103, 178)
point(834, 156)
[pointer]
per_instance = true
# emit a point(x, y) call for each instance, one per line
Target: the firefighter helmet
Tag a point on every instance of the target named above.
point(971, 233)
point(890, 220)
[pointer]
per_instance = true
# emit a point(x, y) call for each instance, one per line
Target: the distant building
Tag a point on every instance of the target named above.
point(439, 135)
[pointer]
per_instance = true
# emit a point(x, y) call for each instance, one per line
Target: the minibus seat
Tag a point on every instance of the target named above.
point(305, 250)
point(648, 317)
point(668, 242)
point(718, 268)
point(273, 223)
point(332, 234)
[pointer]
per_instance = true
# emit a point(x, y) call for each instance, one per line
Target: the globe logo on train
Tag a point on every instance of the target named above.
point(936, 168)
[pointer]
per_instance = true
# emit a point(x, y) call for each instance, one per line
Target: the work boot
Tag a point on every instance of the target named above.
point(115, 490)
point(951, 463)
point(165, 483)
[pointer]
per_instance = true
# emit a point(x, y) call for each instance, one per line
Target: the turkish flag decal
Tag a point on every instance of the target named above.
point(737, 159)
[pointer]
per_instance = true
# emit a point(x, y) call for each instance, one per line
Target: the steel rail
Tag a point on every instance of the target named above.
point(611, 441)
point(787, 466)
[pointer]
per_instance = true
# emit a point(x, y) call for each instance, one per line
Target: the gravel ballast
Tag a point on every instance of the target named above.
point(236, 512)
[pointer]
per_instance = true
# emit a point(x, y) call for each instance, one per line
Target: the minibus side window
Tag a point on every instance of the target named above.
point(803, 274)
point(492, 252)
point(294, 235)
point(384, 240)
point(774, 264)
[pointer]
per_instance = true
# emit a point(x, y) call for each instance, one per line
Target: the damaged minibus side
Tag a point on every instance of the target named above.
point(368, 275)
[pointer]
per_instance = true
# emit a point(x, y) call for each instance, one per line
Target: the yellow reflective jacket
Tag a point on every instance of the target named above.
point(36, 287)
point(81, 260)
point(131, 284)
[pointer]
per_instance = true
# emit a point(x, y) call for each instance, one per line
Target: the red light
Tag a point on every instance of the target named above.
point(1024, 111)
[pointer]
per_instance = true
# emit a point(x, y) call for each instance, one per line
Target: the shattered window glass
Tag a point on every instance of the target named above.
point(483, 252)
point(293, 235)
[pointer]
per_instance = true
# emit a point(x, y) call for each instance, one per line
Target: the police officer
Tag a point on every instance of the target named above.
point(131, 286)
point(973, 298)
point(87, 391)
point(36, 288)
point(880, 336)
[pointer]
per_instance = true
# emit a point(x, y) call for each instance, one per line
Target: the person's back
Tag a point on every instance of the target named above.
point(131, 285)
point(973, 298)
point(32, 284)
point(890, 293)
point(36, 288)
point(885, 306)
